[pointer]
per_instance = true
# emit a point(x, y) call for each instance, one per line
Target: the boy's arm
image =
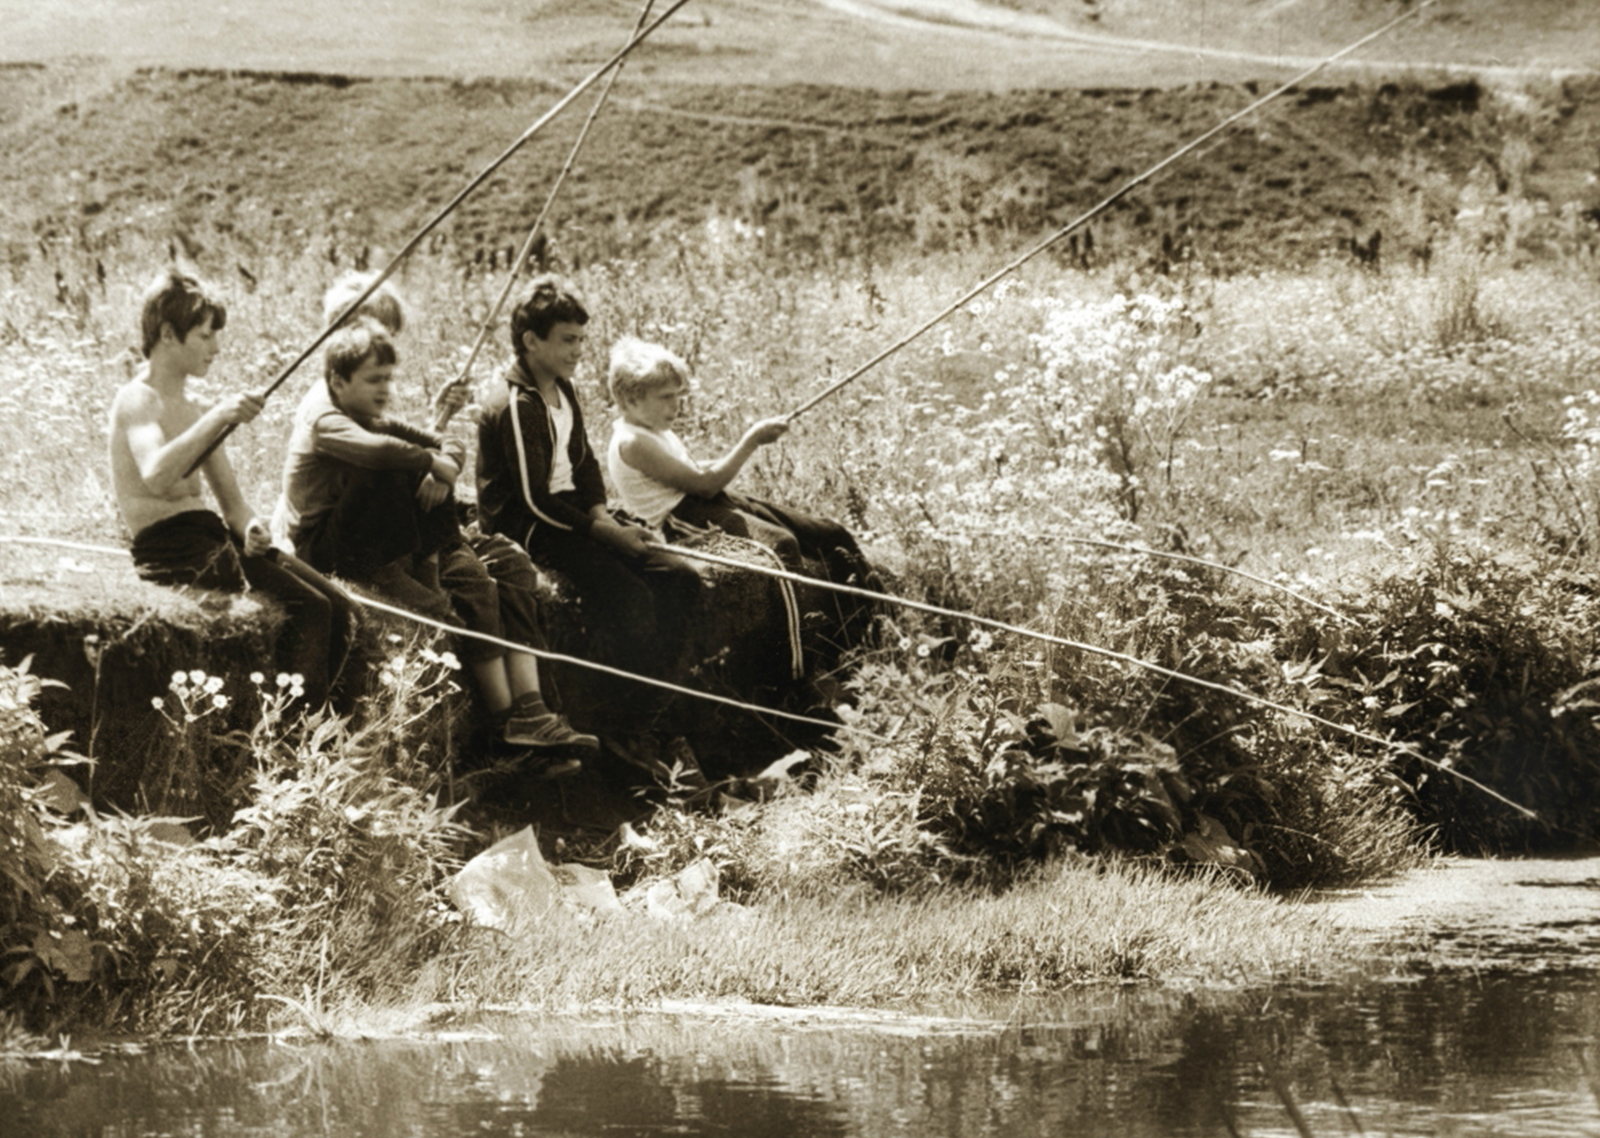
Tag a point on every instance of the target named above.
point(163, 463)
point(453, 451)
point(337, 435)
point(236, 512)
point(605, 528)
point(649, 457)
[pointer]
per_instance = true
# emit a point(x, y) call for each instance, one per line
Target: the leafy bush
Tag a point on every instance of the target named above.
point(332, 871)
point(1480, 663)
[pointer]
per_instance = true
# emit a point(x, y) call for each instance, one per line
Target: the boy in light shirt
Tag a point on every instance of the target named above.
point(662, 484)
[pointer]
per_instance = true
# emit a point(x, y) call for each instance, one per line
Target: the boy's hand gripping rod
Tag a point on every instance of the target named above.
point(449, 207)
point(1102, 207)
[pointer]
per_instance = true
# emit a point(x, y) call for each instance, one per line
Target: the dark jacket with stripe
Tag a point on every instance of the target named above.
point(515, 441)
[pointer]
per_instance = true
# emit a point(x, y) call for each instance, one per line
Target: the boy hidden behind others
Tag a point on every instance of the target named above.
point(157, 433)
point(370, 498)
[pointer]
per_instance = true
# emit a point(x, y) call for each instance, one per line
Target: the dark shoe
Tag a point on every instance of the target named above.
point(554, 768)
point(547, 731)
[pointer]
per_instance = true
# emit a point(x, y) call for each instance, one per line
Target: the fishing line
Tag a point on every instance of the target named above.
point(903, 602)
point(1109, 653)
point(541, 653)
point(449, 207)
point(441, 420)
point(1084, 218)
point(1184, 557)
point(1170, 556)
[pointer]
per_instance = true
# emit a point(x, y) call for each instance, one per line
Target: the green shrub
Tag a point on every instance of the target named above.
point(331, 873)
point(1480, 663)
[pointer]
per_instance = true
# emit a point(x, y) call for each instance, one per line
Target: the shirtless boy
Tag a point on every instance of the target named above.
point(157, 434)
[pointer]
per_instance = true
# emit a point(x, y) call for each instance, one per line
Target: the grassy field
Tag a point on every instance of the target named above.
point(929, 44)
point(1380, 470)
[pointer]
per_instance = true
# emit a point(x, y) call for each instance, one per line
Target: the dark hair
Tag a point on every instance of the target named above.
point(551, 302)
point(183, 301)
point(349, 347)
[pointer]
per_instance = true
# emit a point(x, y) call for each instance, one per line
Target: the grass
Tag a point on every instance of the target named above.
point(1406, 443)
point(1071, 924)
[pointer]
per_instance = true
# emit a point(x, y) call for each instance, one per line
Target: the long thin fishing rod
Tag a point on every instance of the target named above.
point(1083, 218)
point(606, 669)
point(1184, 557)
point(903, 602)
point(448, 208)
point(441, 420)
point(510, 646)
point(1095, 649)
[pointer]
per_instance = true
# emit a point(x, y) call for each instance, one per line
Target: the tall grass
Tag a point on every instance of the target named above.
point(1342, 431)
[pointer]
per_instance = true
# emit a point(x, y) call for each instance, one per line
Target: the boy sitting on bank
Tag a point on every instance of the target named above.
point(157, 433)
point(370, 498)
point(539, 483)
point(659, 482)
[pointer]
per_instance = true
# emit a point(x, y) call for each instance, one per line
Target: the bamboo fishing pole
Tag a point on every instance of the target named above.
point(1093, 649)
point(1107, 203)
point(448, 208)
point(441, 418)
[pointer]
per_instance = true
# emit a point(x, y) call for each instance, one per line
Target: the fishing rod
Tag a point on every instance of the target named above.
point(869, 594)
point(441, 419)
point(546, 654)
point(1201, 562)
point(1097, 650)
point(449, 207)
point(1104, 205)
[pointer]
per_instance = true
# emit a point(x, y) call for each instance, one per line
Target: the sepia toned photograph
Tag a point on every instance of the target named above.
point(800, 568)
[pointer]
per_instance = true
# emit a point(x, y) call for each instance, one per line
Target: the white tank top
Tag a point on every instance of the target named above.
point(560, 456)
point(642, 496)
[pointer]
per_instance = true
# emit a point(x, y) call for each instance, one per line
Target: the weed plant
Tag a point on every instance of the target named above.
point(1344, 432)
point(329, 878)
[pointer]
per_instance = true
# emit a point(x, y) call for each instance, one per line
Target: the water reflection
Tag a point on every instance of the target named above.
point(1446, 1055)
point(1499, 1039)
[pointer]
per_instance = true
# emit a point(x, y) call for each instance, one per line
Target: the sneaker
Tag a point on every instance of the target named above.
point(546, 731)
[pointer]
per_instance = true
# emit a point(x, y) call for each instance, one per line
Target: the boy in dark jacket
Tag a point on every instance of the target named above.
point(539, 483)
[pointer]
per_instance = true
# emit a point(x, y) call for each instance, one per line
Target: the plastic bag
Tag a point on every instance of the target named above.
point(510, 886)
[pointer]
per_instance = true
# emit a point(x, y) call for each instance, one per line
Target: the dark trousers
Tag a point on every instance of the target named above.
point(782, 528)
point(491, 586)
point(196, 548)
point(789, 532)
point(376, 522)
point(637, 610)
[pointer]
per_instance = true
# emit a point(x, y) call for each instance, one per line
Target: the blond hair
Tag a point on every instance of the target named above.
point(639, 367)
point(383, 305)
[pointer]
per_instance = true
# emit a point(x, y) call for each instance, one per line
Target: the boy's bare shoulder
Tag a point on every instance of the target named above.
point(133, 397)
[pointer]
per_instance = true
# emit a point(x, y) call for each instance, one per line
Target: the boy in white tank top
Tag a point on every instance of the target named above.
point(659, 481)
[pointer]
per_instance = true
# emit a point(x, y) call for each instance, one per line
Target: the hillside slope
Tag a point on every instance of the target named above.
point(880, 44)
point(840, 169)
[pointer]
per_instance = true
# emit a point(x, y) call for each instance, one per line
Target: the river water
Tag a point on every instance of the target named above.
point(1487, 1026)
